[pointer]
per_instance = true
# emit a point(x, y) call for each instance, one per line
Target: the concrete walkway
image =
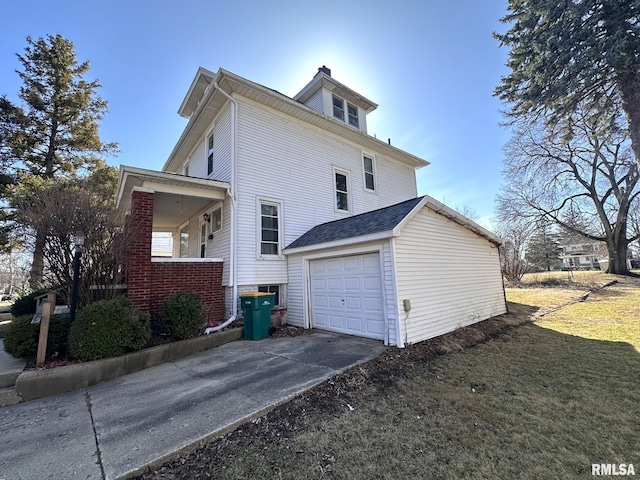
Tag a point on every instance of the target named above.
point(10, 368)
point(116, 428)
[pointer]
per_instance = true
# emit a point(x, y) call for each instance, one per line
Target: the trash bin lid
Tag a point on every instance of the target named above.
point(256, 294)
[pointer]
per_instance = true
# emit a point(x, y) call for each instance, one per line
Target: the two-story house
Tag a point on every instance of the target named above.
point(293, 196)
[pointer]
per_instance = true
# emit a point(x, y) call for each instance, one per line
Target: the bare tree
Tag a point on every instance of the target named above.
point(59, 209)
point(585, 181)
point(514, 235)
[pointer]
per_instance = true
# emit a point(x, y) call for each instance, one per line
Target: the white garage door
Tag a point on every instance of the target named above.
point(346, 295)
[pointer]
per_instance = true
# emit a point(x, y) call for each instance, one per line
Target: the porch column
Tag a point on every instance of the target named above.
point(140, 227)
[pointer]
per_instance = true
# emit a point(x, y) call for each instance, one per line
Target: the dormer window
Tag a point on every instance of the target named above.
point(338, 108)
point(352, 110)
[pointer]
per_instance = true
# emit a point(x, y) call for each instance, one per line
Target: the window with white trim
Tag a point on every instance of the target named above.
point(269, 228)
point(352, 112)
point(368, 166)
point(210, 154)
point(338, 107)
point(342, 190)
point(216, 220)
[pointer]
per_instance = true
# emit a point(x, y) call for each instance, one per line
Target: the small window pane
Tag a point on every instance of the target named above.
point(338, 108)
point(341, 182)
point(184, 242)
point(269, 249)
point(353, 114)
point(269, 210)
point(368, 165)
point(342, 201)
point(369, 181)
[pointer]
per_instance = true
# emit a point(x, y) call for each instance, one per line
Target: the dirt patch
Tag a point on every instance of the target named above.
point(332, 398)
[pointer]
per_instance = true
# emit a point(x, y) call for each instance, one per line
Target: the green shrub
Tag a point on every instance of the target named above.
point(21, 337)
point(182, 315)
point(109, 328)
point(27, 304)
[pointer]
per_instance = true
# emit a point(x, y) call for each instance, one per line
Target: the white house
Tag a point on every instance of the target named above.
point(294, 197)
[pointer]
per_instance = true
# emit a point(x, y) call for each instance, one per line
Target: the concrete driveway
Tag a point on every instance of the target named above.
point(116, 428)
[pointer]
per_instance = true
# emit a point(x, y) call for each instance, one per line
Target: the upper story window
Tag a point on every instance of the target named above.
point(338, 107)
point(210, 154)
point(269, 228)
point(352, 110)
point(342, 190)
point(369, 173)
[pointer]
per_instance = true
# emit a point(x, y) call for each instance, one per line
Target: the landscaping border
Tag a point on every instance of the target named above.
point(43, 383)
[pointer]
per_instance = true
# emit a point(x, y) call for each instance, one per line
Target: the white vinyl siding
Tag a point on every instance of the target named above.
point(222, 149)
point(300, 162)
point(450, 275)
point(315, 102)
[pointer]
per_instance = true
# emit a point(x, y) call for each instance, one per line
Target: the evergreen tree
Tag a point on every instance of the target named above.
point(54, 133)
point(563, 54)
point(543, 251)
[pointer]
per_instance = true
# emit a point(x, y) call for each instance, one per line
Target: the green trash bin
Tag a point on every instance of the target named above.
point(256, 308)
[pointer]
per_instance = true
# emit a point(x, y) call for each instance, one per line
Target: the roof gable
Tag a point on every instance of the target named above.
point(381, 223)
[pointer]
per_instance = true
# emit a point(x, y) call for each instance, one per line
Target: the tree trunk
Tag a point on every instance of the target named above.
point(37, 265)
point(617, 253)
point(629, 87)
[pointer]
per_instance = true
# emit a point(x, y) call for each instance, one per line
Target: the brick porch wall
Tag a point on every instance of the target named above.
point(150, 283)
point(203, 278)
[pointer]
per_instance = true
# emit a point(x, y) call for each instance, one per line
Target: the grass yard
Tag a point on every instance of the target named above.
point(543, 400)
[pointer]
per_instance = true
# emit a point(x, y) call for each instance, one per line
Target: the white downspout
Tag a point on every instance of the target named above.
point(234, 219)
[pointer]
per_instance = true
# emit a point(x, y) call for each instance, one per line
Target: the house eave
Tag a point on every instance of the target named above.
point(163, 182)
point(235, 85)
point(337, 244)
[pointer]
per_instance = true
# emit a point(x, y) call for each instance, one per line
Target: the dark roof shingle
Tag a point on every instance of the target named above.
point(380, 220)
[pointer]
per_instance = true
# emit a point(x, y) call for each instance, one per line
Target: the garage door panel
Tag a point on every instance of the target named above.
point(352, 284)
point(347, 295)
point(373, 304)
point(334, 302)
point(334, 284)
point(353, 303)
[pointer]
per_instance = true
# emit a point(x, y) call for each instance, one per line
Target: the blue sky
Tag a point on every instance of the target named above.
point(430, 65)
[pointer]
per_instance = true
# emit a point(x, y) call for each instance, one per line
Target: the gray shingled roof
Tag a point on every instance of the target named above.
point(381, 220)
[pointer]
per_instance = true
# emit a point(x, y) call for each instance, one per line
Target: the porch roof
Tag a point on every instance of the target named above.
point(176, 197)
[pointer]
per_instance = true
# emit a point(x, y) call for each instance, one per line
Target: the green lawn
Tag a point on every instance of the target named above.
point(543, 400)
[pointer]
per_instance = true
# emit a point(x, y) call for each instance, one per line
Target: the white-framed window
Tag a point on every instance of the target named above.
point(269, 228)
point(369, 172)
point(271, 289)
point(352, 112)
point(341, 183)
point(216, 220)
point(338, 107)
point(210, 145)
point(203, 239)
point(184, 241)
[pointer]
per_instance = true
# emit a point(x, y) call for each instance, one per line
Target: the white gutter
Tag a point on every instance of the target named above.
point(234, 216)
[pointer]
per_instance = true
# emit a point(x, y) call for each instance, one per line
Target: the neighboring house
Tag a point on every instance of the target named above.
point(582, 254)
point(293, 196)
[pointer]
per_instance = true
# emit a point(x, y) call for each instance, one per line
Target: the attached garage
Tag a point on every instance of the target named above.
point(400, 274)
